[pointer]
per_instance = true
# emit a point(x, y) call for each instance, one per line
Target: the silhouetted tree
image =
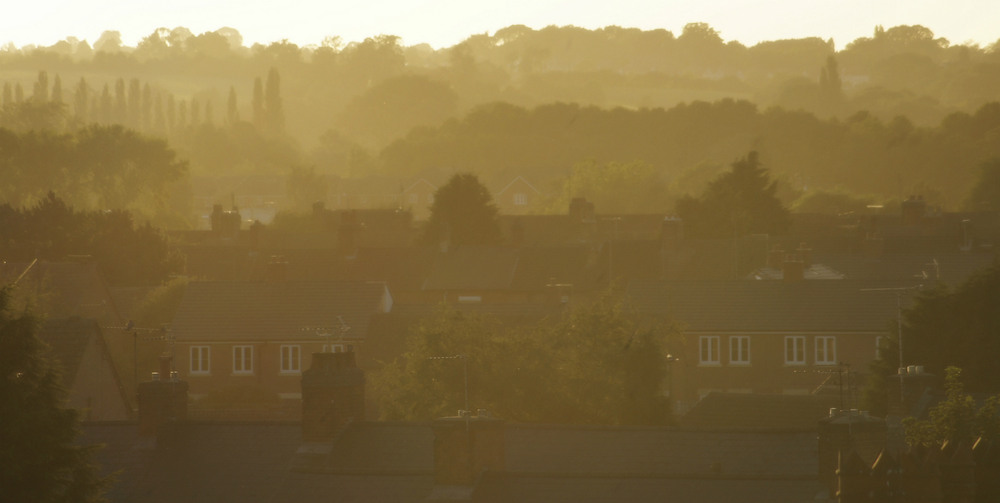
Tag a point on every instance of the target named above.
point(121, 103)
point(40, 95)
point(134, 104)
point(739, 202)
point(463, 212)
point(273, 108)
point(42, 458)
point(257, 104)
point(985, 194)
point(57, 94)
point(147, 107)
point(232, 112)
point(958, 327)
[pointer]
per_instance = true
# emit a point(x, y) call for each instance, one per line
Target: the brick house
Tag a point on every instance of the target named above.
point(517, 197)
point(786, 337)
point(262, 334)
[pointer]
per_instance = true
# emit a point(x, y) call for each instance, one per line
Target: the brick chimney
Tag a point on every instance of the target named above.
point(333, 395)
point(792, 268)
point(465, 446)
point(161, 400)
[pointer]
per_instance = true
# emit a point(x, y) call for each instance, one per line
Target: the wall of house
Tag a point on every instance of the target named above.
point(266, 374)
point(95, 390)
point(767, 370)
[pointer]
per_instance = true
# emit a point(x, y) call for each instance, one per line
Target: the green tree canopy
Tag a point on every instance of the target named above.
point(40, 458)
point(463, 213)
point(594, 365)
point(985, 194)
point(959, 418)
point(615, 187)
point(739, 202)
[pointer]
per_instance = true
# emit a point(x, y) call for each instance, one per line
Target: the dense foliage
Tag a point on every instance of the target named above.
point(959, 418)
point(594, 365)
point(736, 203)
point(463, 213)
point(896, 113)
point(40, 457)
point(127, 254)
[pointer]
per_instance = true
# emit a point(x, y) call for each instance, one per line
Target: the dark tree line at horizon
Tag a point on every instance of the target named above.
point(893, 114)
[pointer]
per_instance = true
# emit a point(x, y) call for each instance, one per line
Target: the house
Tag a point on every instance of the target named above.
point(418, 197)
point(785, 337)
point(89, 376)
point(517, 197)
point(259, 335)
point(335, 453)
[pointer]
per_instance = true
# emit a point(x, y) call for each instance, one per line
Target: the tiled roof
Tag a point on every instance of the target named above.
point(772, 306)
point(746, 411)
point(473, 267)
point(372, 462)
point(227, 311)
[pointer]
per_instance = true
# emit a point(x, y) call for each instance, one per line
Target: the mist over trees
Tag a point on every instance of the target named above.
point(899, 112)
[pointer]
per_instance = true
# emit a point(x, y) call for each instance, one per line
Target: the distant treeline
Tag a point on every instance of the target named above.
point(897, 112)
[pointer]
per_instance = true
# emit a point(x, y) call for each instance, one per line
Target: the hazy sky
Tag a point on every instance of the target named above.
point(443, 23)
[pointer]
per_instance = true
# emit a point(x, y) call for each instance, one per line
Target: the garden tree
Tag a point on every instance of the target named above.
point(126, 254)
point(958, 327)
point(41, 458)
point(958, 419)
point(463, 213)
point(594, 365)
point(985, 194)
point(736, 203)
point(57, 94)
point(120, 113)
point(614, 187)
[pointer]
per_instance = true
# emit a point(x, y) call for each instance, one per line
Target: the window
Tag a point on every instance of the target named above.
point(291, 359)
point(708, 353)
point(334, 348)
point(826, 350)
point(795, 350)
point(880, 343)
point(739, 350)
point(200, 357)
point(520, 199)
point(243, 359)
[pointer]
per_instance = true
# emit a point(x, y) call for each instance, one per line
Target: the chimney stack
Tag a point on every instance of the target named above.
point(333, 395)
point(161, 400)
point(792, 268)
point(465, 446)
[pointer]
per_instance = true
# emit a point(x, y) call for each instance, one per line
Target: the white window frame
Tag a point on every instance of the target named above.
point(202, 364)
point(243, 360)
point(826, 349)
point(520, 199)
point(795, 350)
point(708, 350)
point(879, 341)
point(739, 350)
point(291, 359)
point(334, 348)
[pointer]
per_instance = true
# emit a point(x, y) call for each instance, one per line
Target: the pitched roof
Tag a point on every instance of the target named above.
point(773, 306)
point(236, 310)
point(371, 462)
point(473, 267)
point(755, 411)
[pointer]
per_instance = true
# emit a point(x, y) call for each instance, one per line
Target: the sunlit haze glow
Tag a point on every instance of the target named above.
point(443, 23)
